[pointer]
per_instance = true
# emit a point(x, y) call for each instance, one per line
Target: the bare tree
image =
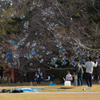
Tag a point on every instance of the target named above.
point(51, 32)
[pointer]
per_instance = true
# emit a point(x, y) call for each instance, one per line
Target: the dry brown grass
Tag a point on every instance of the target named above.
point(50, 97)
point(64, 96)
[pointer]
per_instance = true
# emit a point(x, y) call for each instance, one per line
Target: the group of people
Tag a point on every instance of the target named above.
point(78, 73)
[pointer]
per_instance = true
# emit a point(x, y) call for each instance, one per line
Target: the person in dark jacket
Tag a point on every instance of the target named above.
point(38, 75)
point(80, 75)
point(38, 78)
point(79, 72)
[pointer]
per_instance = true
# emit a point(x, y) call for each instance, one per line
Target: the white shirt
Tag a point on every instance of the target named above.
point(89, 66)
point(68, 77)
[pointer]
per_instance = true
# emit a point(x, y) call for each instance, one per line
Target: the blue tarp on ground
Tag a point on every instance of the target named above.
point(30, 89)
point(52, 84)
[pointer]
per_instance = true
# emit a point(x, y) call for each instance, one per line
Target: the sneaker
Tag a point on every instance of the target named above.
point(88, 88)
point(81, 85)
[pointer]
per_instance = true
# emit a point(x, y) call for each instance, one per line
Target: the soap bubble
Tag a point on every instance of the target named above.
point(22, 16)
point(56, 65)
point(40, 56)
point(41, 61)
point(31, 64)
point(26, 24)
point(3, 55)
point(36, 33)
point(44, 19)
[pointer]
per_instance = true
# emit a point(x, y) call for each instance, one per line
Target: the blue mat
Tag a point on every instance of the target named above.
point(52, 84)
point(29, 89)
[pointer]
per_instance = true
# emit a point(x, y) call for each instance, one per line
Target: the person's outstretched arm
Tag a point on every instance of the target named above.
point(95, 64)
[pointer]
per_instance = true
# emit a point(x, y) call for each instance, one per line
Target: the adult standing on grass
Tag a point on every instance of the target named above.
point(80, 75)
point(89, 70)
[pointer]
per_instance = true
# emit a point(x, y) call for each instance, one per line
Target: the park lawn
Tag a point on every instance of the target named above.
point(77, 96)
point(95, 88)
point(52, 89)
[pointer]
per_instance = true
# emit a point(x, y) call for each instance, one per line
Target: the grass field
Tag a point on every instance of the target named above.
point(53, 93)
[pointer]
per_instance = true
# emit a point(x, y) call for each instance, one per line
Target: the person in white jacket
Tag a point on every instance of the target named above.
point(68, 76)
point(89, 70)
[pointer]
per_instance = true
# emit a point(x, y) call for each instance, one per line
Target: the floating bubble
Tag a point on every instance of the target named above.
point(48, 52)
point(34, 44)
point(25, 55)
point(36, 33)
point(41, 61)
point(14, 55)
point(54, 59)
point(26, 27)
point(64, 62)
point(28, 44)
point(44, 19)
point(30, 56)
point(64, 57)
point(56, 65)
point(40, 56)
point(16, 46)
point(26, 24)
point(52, 24)
point(3, 55)
point(22, 16)
point(78, 40)
point(56, 25)
point(26, 35)
point(33, 53)
point(56, 41)
point(36, 55)
point(53, 28)
point(43, 51)
point(13, 42)
point(31, 64)
point(42, 47)
point(33, 49)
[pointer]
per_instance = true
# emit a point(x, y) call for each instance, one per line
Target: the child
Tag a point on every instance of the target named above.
point(75, 79)
point(68, 76)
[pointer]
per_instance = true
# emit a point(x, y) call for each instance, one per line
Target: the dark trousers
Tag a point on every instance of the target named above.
point(89, 79)
point(80, 79)
point(38, 80)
